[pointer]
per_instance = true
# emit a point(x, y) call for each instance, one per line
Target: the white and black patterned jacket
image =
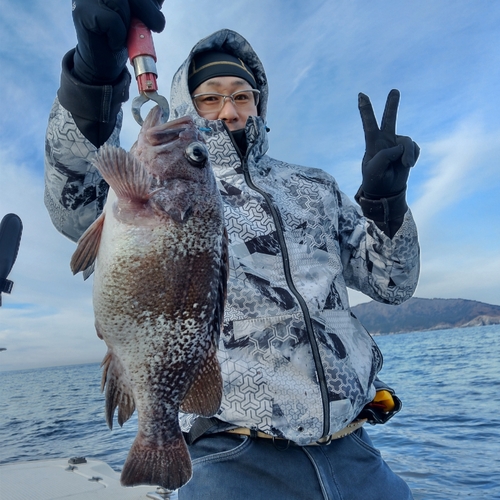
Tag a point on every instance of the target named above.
point(296, 363)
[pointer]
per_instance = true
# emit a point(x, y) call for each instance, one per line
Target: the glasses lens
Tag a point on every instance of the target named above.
point(208, 102)
point(246, 98)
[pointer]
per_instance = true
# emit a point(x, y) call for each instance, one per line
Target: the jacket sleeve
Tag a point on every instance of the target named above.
point(82, 118)
point(386, 269)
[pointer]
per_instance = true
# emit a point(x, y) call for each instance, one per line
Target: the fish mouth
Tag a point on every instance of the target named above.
point(162, 137)
point(166, 134)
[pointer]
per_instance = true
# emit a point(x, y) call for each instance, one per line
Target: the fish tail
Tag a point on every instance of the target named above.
point(149, 463)
point(124, 173)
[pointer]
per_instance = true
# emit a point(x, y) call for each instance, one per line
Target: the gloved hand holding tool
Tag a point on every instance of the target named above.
point(386, 165)
point(107, 30)
point(102, 28)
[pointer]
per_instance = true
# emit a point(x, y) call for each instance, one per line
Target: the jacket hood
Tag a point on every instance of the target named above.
point(227, 41)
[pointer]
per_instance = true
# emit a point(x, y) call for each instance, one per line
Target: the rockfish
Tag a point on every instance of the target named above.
point(159, 252)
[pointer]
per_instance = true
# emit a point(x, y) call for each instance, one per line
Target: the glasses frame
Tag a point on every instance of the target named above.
point(255, 92)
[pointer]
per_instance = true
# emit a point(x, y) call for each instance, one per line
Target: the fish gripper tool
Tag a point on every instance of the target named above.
point(142, 55)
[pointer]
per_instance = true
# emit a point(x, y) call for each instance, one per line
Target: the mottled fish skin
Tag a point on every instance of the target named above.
point(160, 256)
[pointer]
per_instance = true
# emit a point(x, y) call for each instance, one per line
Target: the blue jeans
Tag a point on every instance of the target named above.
point(232, 467)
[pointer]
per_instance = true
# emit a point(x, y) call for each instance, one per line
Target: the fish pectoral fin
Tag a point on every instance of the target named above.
point(205, 394)
point(88, 245)
point(88, 272)
point(118, 391)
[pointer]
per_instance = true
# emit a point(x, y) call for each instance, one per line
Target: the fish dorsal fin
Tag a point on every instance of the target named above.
point(118, 391)
point(124, 173)
point(88, 245)
point(205, 394)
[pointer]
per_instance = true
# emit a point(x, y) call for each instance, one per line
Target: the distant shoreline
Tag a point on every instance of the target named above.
point(421, 315)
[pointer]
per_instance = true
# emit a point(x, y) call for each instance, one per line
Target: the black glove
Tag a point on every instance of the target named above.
point(11, 229)
point(385, 167)
point(383, 407)
point(101, 30)
point(388, 157)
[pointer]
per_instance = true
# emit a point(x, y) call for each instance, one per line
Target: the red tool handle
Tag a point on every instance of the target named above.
point(140, 40)
point(142, 55)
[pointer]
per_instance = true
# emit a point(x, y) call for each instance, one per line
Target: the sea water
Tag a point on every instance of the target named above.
point(445, 442)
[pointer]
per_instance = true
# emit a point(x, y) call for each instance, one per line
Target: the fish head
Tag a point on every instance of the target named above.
point(172, 150)
point(175, 155)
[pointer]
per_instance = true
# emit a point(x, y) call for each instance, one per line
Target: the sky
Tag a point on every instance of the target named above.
point(443, 56)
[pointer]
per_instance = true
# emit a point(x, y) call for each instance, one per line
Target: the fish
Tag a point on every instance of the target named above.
point(159, 255)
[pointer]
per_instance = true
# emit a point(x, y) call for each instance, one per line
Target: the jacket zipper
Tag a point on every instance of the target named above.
point(288, 276)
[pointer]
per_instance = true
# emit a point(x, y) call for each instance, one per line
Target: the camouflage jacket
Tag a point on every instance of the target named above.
point(296, 362)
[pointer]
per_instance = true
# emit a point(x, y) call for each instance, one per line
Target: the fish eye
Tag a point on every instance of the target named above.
point(196, 153)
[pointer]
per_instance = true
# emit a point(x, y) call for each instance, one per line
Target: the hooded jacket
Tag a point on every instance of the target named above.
point(296, 362)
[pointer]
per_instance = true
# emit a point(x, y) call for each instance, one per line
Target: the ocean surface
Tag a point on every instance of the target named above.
point(445, 442)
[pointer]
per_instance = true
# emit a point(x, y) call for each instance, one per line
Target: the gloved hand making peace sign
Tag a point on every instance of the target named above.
point(386, 165)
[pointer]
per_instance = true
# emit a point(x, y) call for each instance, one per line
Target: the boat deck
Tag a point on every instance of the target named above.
point(63, 479)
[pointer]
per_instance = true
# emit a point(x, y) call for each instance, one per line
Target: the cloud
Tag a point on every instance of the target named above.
point(466, 274)
point(318, 55)
point(48, 317)
point(49, 337)
point(33, 40)
point(457, 166)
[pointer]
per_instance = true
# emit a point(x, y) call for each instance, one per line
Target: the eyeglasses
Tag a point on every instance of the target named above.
point(212, 102)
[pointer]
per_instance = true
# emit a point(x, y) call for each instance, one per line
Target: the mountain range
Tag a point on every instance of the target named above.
point(425, 314)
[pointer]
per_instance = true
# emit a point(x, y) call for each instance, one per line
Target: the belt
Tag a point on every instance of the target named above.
point(348, 429)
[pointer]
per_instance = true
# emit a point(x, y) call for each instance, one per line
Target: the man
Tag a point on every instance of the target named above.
point(298, 367)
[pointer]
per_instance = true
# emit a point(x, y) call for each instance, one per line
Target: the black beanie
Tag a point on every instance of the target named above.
point(206, 65)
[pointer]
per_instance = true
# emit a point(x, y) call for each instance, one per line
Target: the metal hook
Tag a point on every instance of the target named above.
point(149, 96)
